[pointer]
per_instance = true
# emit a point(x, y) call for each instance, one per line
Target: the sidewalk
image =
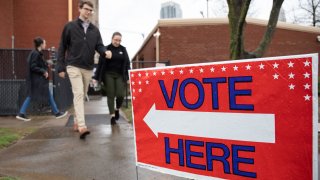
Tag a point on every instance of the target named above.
point(55, 152)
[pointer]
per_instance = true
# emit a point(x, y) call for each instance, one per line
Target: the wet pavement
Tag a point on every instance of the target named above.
point(55, 152)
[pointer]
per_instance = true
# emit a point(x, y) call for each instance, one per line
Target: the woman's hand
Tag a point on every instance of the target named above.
point(94, 82)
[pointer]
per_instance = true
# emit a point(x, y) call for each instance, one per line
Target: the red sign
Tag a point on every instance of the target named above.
point(247, 119)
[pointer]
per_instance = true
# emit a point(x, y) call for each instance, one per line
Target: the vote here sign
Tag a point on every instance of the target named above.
point(246, 119)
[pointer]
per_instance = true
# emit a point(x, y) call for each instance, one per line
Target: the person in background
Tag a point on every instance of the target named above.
point(38, 82)
point(113, 72)
point(79, 41)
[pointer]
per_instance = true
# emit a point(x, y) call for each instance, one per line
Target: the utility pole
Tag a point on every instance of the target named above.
point(207, 8)
point(12, 57)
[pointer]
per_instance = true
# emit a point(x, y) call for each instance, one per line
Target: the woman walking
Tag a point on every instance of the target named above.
point(113, 72)
point(38, 82)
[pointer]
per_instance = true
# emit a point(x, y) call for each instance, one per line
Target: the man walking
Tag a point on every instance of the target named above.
point(79, 41)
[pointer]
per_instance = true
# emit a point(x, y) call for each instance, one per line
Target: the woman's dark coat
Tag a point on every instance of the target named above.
point(37, 84)
point(104, 63)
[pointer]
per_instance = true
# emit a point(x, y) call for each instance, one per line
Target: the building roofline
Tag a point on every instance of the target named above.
point(217, 21)
point(220, 21)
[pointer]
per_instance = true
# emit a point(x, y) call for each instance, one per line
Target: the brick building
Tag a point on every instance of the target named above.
point(185, 41)
point(22, 20)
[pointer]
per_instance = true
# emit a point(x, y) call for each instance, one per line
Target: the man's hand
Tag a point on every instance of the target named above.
point(62, 74)
point(46, 75)
point(108, 54)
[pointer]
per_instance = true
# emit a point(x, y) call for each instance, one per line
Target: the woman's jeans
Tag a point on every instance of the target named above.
point(27, 101)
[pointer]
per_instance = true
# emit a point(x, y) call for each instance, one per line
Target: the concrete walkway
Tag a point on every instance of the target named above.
point(55, 152)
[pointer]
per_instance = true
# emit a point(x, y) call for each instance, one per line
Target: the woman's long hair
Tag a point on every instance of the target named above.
point(37, 42)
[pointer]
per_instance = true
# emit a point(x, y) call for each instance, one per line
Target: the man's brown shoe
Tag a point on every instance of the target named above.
point(83, 132)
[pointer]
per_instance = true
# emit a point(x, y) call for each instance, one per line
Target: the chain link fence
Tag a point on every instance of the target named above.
point(13, 72)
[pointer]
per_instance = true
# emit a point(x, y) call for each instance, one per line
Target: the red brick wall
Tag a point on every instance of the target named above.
point(26, 19)
point(284, 42)
point(6, 19)
point(193, 44)
point(148, 53)
point(208, 43)
point(75, 9)
point(39, 18)
point(287, 42)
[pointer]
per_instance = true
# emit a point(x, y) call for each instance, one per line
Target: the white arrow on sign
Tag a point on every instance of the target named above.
point(230, 126)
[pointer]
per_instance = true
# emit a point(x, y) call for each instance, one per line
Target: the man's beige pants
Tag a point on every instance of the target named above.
point(79, 79)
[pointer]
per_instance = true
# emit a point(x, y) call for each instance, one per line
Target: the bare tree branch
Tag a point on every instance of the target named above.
point(311, 9)
point(238, 10)
point(273, 19)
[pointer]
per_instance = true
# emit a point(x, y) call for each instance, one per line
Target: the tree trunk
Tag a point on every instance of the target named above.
point(237, 14)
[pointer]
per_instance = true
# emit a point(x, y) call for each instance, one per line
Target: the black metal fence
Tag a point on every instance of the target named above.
point(13, 72)
point(62, 91)
point(147, 64)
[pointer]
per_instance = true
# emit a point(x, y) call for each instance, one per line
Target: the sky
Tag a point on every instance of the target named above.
point(136, 19)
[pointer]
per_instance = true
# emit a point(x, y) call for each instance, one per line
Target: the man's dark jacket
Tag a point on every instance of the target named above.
point(77, 48)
